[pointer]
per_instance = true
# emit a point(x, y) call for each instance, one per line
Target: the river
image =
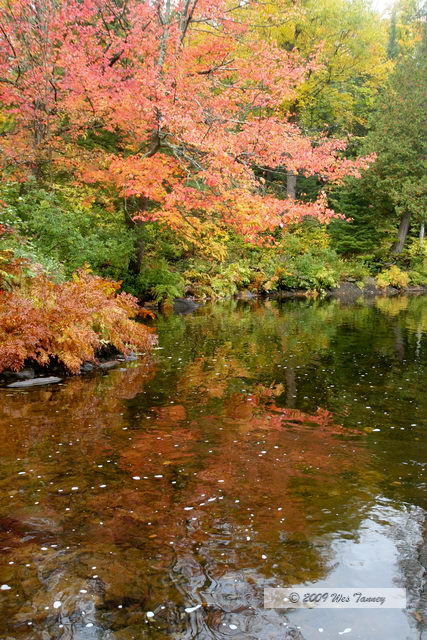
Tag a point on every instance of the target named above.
point(262, 444)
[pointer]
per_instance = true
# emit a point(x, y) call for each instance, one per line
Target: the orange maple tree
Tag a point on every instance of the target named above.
point(177, 105)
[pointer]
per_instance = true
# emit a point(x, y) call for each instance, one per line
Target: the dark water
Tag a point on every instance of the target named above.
point(263, 445)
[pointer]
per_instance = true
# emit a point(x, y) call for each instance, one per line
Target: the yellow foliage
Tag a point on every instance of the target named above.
point(393, 277)
point(348, 42)
point(392, 306)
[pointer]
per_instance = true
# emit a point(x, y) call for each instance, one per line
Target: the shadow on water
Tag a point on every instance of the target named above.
point(264, 444)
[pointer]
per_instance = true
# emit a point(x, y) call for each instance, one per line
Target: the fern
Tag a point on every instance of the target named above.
point(69, 321)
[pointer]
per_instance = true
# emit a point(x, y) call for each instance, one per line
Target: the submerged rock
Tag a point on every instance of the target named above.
point(347, 290)
point(245, 294)
point(184, 305)
point(8, 376)
point(34, 382)
point(25, 374)
point(131, 357)
point(109, 364)
point(87, 367)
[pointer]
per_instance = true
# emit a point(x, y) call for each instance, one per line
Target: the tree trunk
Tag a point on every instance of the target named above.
point(137, 227)
point(399, 343)
point(402, 233)
point(422, 234)
point(291, 185)
point(291, 387)
point(138, 256)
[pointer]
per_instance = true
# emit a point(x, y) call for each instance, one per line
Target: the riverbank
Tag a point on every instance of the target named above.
point(350, 290)
point(347, 290)
point(34, 374)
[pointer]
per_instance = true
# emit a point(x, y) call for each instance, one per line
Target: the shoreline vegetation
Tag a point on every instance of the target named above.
point(157, 154)
point(60, 327)
point(52, 369)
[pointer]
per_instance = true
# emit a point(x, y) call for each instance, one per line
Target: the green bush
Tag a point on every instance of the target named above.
point(303, 260)
point(417, 256)
point(308, 272)
point(157, 282)
point(56, 230)
point(418, 278)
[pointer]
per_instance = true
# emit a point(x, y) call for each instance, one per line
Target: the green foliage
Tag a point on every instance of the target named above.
point(357, 270)
point(312, 271)
point(366, 230)
point(218, 280)
point(313, 262)
point(302, 259)
point(417, 255)
point(56, 229)
point(158, 282)
point(418, 277)
point(398, 138)
point(23, 248)
point(165, 291)
point(162, 243)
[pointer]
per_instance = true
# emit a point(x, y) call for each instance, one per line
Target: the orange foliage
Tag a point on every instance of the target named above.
point(182, 88)
point(68, 321)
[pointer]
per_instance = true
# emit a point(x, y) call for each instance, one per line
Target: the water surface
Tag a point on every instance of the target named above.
point(263, 444)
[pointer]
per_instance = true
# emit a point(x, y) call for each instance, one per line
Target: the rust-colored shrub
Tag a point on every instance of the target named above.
point(69, 321)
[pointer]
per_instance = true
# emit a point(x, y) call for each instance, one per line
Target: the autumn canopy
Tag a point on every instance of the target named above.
point(178, 107)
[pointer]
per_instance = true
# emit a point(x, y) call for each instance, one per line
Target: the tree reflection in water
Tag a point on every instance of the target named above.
point(191, 482)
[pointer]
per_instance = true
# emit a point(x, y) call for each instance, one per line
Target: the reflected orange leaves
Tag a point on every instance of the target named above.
point(171, 484)
point(242, 469)
point(211, 381)
point(82, 408)
point(252, 451)
point(170, 414)
point(155, 449)
point(213, 473)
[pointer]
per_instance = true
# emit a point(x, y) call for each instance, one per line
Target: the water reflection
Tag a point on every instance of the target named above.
point(262, 445)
